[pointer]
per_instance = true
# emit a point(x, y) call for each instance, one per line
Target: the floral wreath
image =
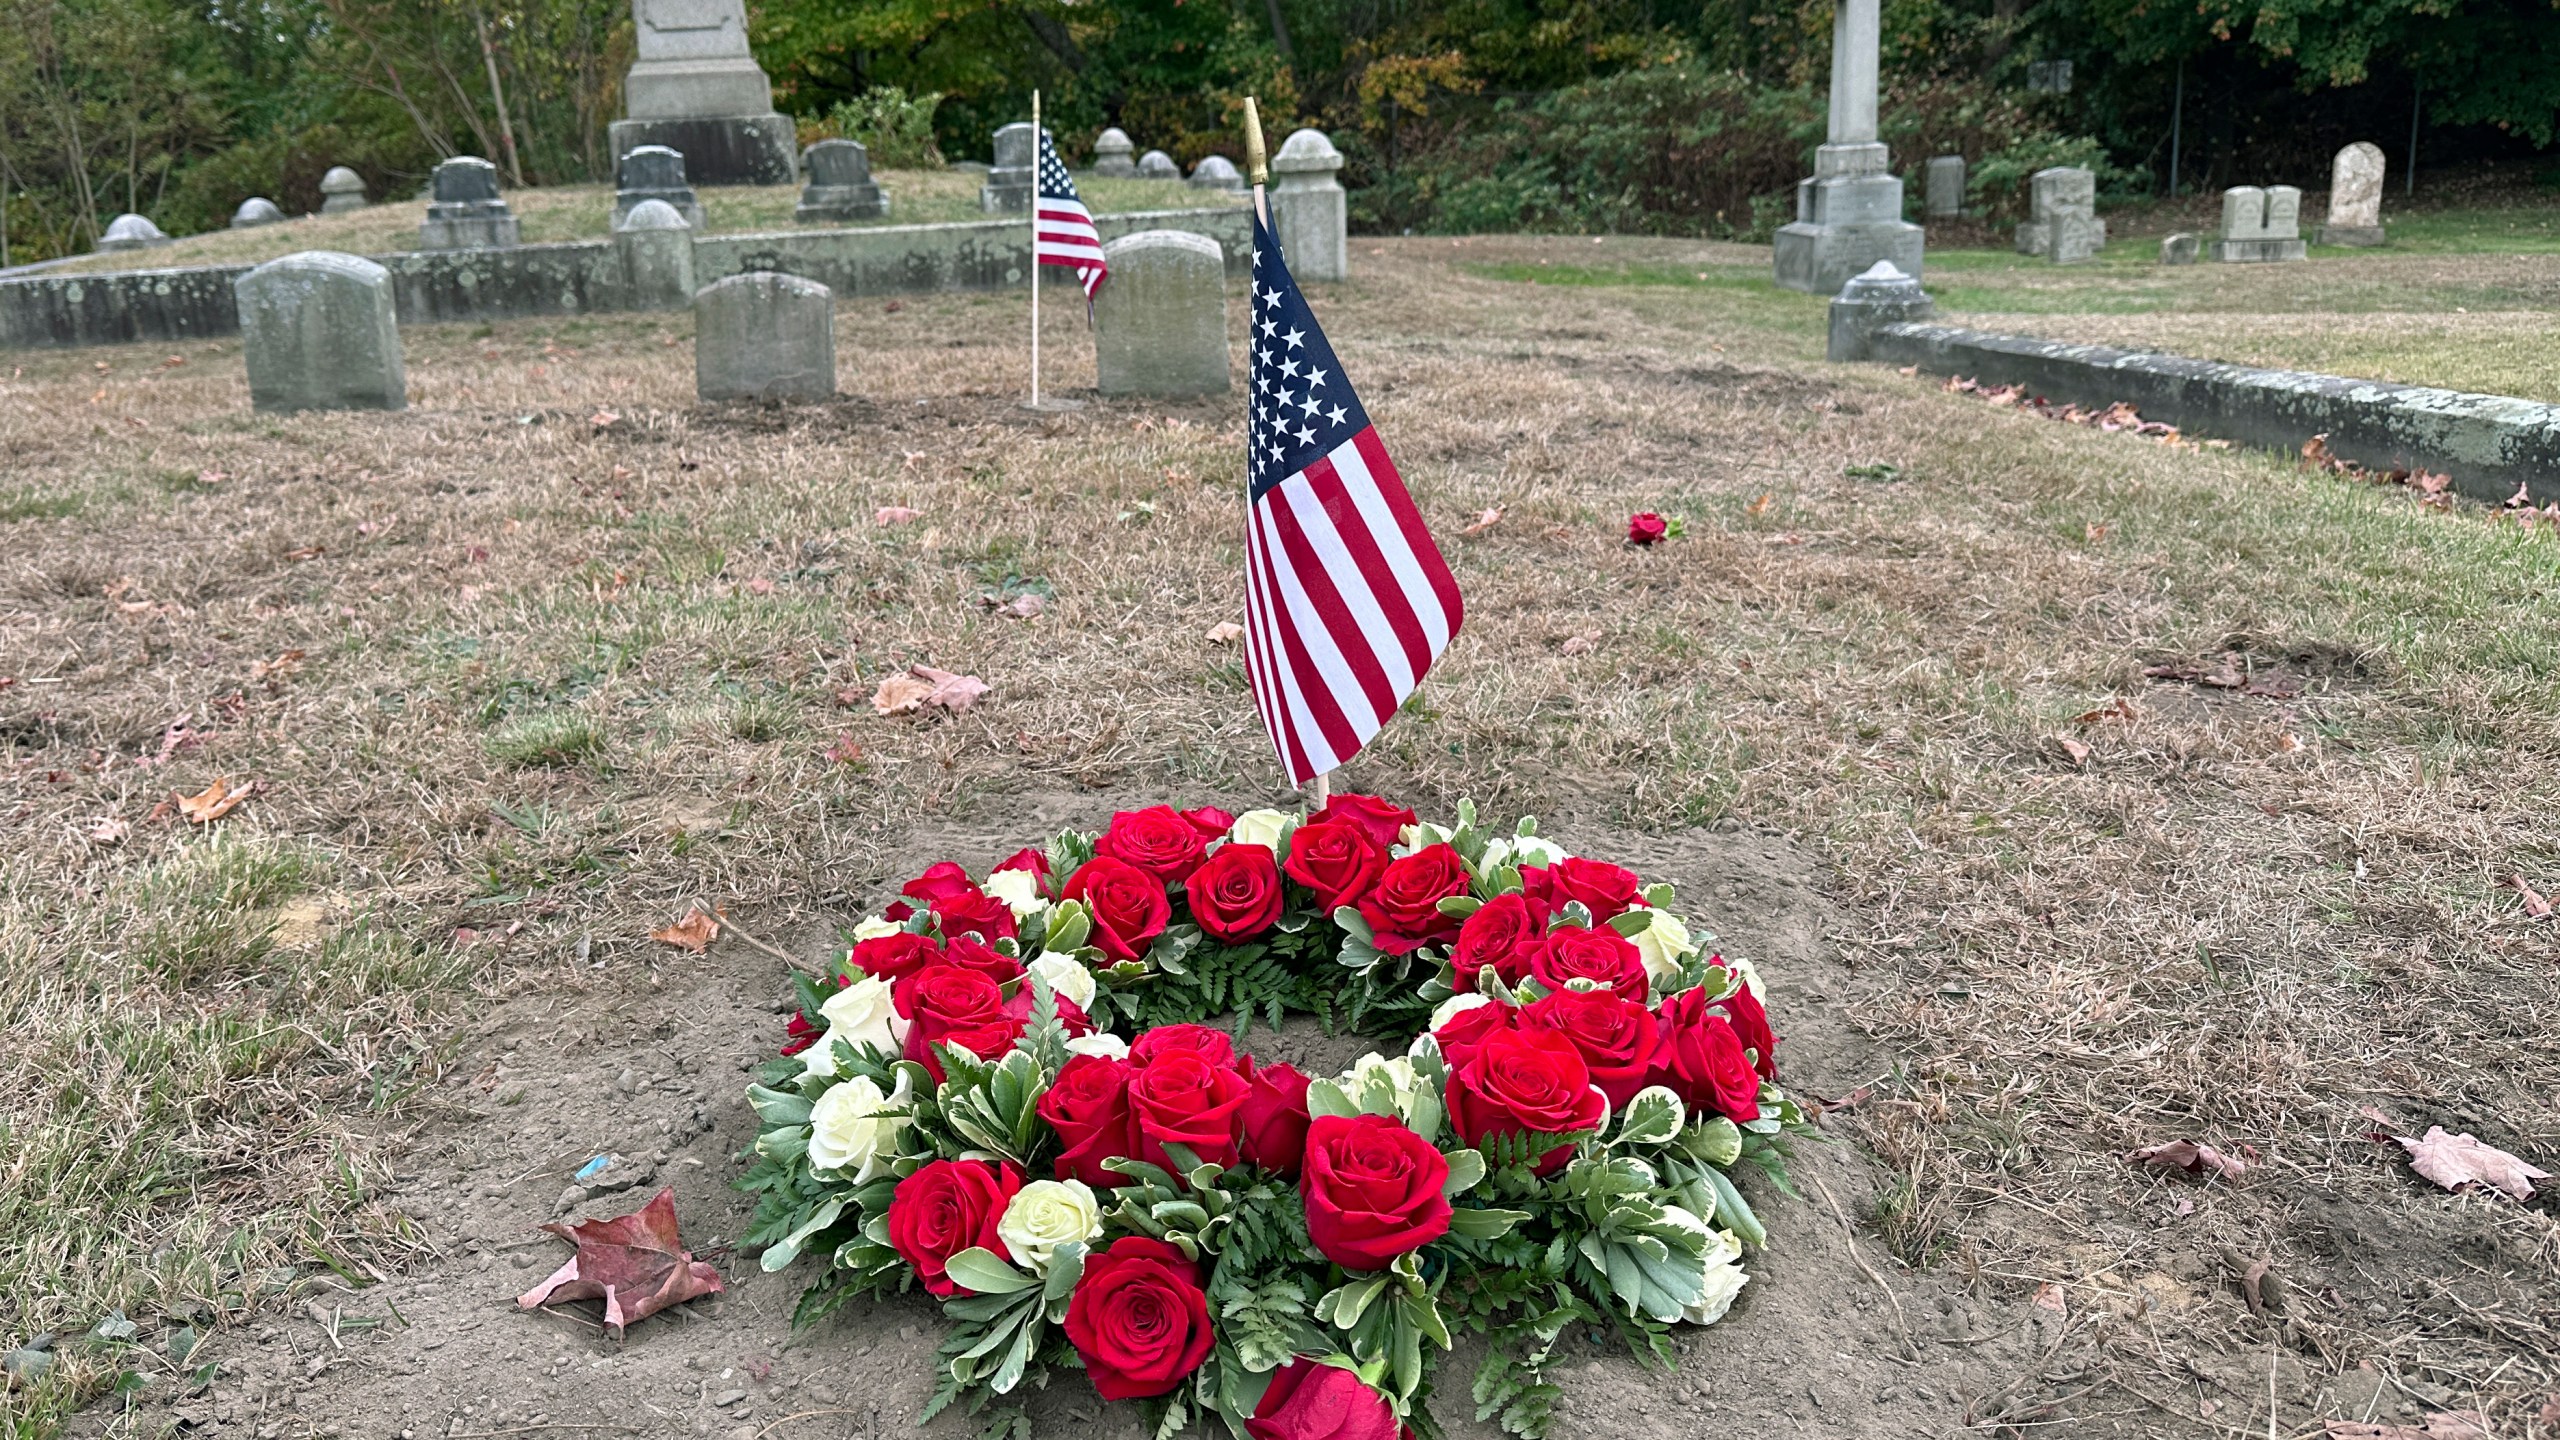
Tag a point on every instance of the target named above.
point(1007, 1097)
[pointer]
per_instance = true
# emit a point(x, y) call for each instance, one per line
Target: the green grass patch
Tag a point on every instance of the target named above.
point(547, 737)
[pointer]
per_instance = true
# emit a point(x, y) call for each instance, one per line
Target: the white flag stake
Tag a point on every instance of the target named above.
point(1035, 249)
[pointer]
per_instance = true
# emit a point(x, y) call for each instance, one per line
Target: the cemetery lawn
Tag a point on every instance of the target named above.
point(520, 674)
point(585, 212)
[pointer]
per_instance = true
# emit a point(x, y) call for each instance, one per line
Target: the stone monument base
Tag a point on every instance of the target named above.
point(469, 232)
point(820, 204)
point(1844, 224)
point(2348, 235)
point(738, 150)
point(2253, 252)
point(2064, 242)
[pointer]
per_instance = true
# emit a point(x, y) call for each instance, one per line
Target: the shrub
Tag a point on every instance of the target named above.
point(895, 127)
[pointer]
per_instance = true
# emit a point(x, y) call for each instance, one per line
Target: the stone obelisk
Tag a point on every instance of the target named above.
point(1849, 213)
point(696, 89)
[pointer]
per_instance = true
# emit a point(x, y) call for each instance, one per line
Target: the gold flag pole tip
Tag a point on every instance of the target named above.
point(1257, 160)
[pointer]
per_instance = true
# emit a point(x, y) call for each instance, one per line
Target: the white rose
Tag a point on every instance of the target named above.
point(1455, 1006)
point(1662, 943)
point(1258, 827)
point(847, 1130)
point(1743, 972)
point(874, 928)
point(1421, 835)
point(1398, 1074)
point(1066, 977)
point(1522, 850)
point(1725, 1279)
point(1044, 1215)
point(1018, 889)
point(1102, 1045)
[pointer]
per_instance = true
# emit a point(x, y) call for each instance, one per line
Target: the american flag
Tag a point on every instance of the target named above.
point(1062, 230)
point(1347, 601)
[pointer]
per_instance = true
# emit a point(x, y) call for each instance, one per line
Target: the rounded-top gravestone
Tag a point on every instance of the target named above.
point(1160, 326)
point(319, 333)
point(1309, 211)
point(840, 185)
point(2355, 197)
point(653, 172)
point(1216, 172)
point(130, 232)
point(341, 190)
point(1880, 295)
point(764, 336)
point(254, 211)
point(1111, 152)
point(657, 255)
point(465, 211)
point(1157, 165)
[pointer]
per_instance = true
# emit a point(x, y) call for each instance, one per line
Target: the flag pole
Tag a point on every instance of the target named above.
point(1035, 249)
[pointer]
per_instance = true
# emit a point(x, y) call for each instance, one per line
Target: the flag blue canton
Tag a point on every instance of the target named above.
point(1302, 406)
point(1051, 173)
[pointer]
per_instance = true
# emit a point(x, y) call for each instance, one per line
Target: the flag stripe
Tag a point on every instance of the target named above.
point(1422, 557)
point(1062, 230)
point(1314, 721)
point(1341, 698)
point(1343, 607)
point(1386, 567)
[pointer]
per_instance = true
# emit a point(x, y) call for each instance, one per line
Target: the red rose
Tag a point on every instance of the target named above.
point(1614, 1034)
point(893, 957)
point(1310, 1400)
point(1646, 528)
point(1184, 1098)
point(1139, 1319)
point(1088, 1105)
point(973, 912)
point(945, 1208)
point(1235, 894)
point(1128, 905)
point(970, 953)
point(1604, 889)
point(1404, 911)
point(1274, 1117)
point(1525, 1081)
point(800, 1034)
point(1698, 1055)
point(1372, 1190)
point(1212, 1045)
point(1461, 1034)
point(1751, 1025)
point(938, 881)
point(955, 1006)
point(1368, 814)
point(1031, 858)
point(1210, 821)
point(1155, 840)
point(1573, 953)
point(1338, 862)
point(1503, 934)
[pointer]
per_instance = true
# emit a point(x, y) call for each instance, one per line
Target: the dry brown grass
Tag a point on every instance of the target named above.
point(2243, 919)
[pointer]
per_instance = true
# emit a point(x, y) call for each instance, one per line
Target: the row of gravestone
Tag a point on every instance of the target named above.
point(341, 190)
point(2257, 224)
point(319, 330)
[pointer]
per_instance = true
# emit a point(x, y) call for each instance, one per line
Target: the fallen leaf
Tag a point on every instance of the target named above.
point(109, 831)
point(2048, 1296)
point(173, 362)
point(214, 801)
point(848, 697)
point(288, 663)
point(760, 586)
point(1490, 517)
point(2194, 1157)
point(950, 692)
point(2254, 1287)
point(888, 515)
point(1225, 632)
point(1021, 607)
point(2535, 907)
point(2117, 709)
point(2095, 531)
point(2072, 750)
point(2442, 1425)
point(604, 419)
point(211, 477)
point(901, 695)
point(622, 472)
point(1582, 644)
point(694, 932)
point(1759, 504)
point(2454, 1161)
point(636, 1264)
point(844, 752)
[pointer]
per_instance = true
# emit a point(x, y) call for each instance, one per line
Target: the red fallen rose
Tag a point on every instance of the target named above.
point(1310, 1400)
point(801, 1034)
point(1525, 1081)
point(1210, 1044)
point(1604, 889)
point(1088, 1105)
point(1184, 1098)
point(1615, 1035)
point(1646, 528)
point(1128, 905)
point(953, 1005)
point(1235, 894)
point(1404, 911)
point(1371, 816)
point(1210, 821)
point(1139, 1319)
point(1339, 862)
point(974, 912)
point(947, 1207)
point(1751, 1026)
point(1463, 1033)
point(1371, 1188)
point(937, 882)
point(1274, 1118)
point(1502, 934)
point(1156, 840)
point(1573, 953)
point(1698, 1055)
point(893, 957)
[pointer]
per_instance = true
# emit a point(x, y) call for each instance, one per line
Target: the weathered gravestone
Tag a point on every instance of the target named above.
point(653, 172)
point(2179, 248)
point(255, 211)
point(2355, 197)
point(840, 185)
point(1160, 325)
point(2063, 224)
point(1882, 296)
point(1157, 165)
point(1849, 212)
point(1309, 211)
point(341, 190)
point(1008, 188)
point(1945, 189)
point(130, 232)
point(765, 336)
point(1216, 172)
point(319, 333)
point(657, 255)
point(2260, 225)
point(695, 88)
point(466, 212)
point(1111, 152)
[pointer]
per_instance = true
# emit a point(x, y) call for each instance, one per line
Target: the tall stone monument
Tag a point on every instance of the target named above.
point(1849, 213)
point(2063, 224)
point(2259, 225)
point(2355, 197)
point(696, 89)
point(1309, 210)
point(467, 213)
point(1009, 184)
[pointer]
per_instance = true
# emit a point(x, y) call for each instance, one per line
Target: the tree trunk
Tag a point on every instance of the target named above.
point(498, 99)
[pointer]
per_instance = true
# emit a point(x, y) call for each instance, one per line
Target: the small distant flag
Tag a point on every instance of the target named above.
point(1347, 601)
point(1062, 230)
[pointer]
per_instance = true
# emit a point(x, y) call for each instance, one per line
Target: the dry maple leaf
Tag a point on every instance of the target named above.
point(1760, 504)
point(2117, 709)
point(2194, 1157)
point(951, 692)
point(2535, 907)
point(888, 515)
point(604, 419)
point(1023, 607)
point(285, 664)
point(1582, 644)
point(694, 932)
point(901, 695)
point(1225, 632)
point(2454, 1161)
point(1490, 517)
point(2072, 750)
point(2442, 1425)
point(214, 801)
point(844, 752)
point(635, 1264)
point(109, 831)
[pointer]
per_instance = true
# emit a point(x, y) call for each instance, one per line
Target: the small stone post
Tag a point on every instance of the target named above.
point(657, 256)
point(1160, 325)
point(130, 232)
point(1309, 211)
point(1157, 165)
point(765, 336)
point(1216, 172)
point(255, 211)
point(1111, 152)
point(319, 333)
point(341, 190)
point(1880, 297)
